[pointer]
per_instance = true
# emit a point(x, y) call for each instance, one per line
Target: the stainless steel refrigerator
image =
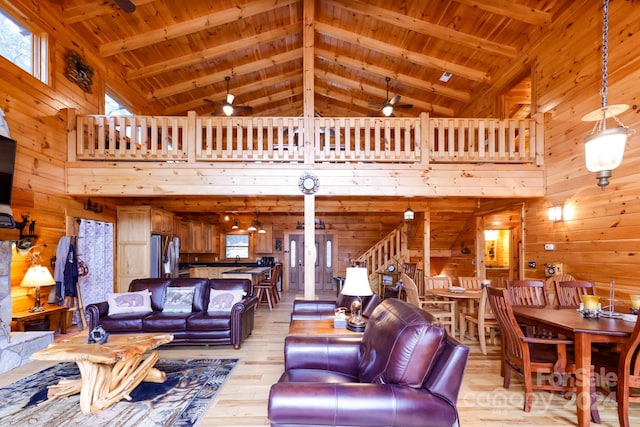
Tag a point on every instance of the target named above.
point(165, 255)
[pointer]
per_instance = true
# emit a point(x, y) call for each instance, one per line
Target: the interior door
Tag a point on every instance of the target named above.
point(323, 271)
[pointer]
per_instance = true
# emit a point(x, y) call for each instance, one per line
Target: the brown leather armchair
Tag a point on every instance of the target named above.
point(325, 309)
point(403, 371)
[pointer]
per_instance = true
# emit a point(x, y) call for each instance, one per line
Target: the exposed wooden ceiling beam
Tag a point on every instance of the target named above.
point(423, 27)
point(382, 94)
point(396, 52)
point(257, 85)
point(441, 90)
point(170, 32)
point(219, 76)
point(194, 58)
point(510, 9)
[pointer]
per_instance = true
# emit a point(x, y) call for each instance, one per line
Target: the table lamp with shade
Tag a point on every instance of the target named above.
point(36, 277)
point(356, 284)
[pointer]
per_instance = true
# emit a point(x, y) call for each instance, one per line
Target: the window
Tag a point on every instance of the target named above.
point(237, 245)
point(113, 107)
point(26, 47)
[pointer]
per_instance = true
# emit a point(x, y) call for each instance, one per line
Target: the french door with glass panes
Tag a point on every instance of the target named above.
point(323, 271)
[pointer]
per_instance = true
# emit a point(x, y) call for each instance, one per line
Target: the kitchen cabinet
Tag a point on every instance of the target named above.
point(196, 237)
point(185, 239)
point(161, 222)
point(264, 241)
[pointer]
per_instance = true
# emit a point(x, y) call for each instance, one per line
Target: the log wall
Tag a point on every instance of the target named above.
point(601, 240)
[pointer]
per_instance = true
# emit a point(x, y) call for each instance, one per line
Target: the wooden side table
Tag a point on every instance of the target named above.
point(55, 314)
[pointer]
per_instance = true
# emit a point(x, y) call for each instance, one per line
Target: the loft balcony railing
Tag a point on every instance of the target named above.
point(195, 139)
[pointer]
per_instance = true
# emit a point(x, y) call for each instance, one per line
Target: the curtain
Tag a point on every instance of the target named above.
point(95, 247)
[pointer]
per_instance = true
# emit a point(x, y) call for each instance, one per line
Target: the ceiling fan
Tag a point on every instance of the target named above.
point(226, 107)
point(389, 104)
point(126, 5)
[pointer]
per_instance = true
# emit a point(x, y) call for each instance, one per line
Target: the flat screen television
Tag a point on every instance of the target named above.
point(7, 166)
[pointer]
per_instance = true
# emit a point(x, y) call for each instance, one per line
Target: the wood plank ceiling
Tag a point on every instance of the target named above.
point(177, 54)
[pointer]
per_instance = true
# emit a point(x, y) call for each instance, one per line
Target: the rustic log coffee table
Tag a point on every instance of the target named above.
point(109, 371)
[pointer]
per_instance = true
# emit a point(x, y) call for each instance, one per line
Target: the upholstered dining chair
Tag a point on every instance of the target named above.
point(444, 311)
point(528, 292)
point(569, 293)
point(470, 282)
point(531, 358)
point(483, 319)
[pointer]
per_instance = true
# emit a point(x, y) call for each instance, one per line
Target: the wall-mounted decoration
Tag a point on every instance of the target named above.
point(278, 244)
point(79, 72)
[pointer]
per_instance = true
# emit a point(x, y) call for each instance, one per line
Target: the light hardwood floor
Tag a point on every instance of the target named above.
point(243, 399)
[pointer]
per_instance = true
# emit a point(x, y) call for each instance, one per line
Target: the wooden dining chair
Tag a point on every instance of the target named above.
point(267, 291)
point(443, 310)
point(470, 282)
point(531, 358)
point(569, 293)
point(629, 376)
point(411, 269)
point(437, 282)
point(483, 319)
point(528, 292)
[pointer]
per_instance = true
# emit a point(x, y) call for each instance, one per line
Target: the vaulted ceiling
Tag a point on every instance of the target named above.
point(177, 54)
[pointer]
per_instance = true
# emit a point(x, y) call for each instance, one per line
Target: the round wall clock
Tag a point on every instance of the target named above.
point(308, 183)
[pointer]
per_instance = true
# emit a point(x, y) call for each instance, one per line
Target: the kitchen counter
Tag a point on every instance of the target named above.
point(255, 274)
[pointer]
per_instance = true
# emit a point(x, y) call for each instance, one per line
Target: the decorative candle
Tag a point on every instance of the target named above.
point(590, 302)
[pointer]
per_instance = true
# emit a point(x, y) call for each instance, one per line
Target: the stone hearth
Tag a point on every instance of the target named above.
point(16, 349)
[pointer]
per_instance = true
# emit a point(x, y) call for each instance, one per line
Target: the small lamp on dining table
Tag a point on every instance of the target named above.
point(356, 284)
point(36, 277)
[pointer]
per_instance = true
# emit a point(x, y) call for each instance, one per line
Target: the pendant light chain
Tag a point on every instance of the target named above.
point(605, 52)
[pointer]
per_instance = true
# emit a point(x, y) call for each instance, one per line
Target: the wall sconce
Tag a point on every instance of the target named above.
point(490, 235)
point(555, 213)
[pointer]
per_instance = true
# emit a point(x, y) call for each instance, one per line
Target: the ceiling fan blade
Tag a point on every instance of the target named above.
point(212, 101)
point(243, 108)
point(375, 105)
point(403, 106)
point(126, 5)
point(395, 99)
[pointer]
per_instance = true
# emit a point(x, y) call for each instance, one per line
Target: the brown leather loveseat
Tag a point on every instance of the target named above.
point(404, 371)
point(229, 322)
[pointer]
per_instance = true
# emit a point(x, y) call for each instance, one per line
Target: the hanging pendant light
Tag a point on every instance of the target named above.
point(408, 214)
point(235, 225)
point(604, 148)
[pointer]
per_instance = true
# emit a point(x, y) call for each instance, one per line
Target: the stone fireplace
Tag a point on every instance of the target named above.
point(15, 349)
point(5, 283)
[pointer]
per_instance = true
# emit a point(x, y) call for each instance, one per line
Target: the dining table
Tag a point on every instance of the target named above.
point(471, 296)
point(584, 331)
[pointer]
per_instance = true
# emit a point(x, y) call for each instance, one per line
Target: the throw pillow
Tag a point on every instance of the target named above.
point(129, 302)
point(221, 301)
point(179, 300)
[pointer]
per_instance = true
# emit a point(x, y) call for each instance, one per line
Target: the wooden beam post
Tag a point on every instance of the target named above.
point(308, 113)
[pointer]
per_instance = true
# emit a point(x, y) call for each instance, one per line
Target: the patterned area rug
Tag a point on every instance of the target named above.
point(180, 401)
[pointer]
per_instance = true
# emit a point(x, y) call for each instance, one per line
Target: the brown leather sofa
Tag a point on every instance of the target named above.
point(403, 371)
point(325, 309)
point(196, 327)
